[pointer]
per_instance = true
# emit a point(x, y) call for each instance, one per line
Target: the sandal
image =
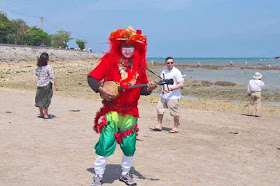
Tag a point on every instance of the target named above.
point(155, 128)
point(173, 131)
point(50, 117)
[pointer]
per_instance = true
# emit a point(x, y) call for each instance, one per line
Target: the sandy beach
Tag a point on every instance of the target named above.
point(217, 143)
point(212, 148)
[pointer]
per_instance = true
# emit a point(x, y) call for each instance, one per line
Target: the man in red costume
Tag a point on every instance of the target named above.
point(125, 64)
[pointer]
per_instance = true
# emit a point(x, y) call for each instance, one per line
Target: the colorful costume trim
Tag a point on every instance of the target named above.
point(128, 35)
point(99, 125)
point(128, 132)
point(108, 106)
point(118, 129)
point(98, 128)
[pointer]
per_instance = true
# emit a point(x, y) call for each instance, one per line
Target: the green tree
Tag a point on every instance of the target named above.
point(81, 44)
point(5, 26)
point(36, 37)
point(18, 31)
point(61, 38)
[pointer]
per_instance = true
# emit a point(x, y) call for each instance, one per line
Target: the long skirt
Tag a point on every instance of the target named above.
point(44, 96)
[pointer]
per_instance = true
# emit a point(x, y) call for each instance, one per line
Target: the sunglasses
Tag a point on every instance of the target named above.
point(169, 63)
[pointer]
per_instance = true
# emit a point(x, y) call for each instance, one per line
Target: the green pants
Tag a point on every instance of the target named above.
point(116, 124)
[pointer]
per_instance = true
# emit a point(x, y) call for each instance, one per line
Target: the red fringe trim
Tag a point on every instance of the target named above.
point(128, 132)
point(98, 126)
point(122, 109)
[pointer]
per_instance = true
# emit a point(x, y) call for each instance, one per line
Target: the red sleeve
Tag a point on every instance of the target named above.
point(99, 71)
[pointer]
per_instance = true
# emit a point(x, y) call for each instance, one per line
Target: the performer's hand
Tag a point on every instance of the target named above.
point(56, 88)
point(151, 86)
point(105, 94)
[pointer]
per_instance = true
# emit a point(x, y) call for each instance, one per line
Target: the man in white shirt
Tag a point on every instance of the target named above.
point(170, 95)
point(254, 89)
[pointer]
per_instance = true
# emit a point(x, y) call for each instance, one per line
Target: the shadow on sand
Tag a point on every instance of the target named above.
point(51, 116)
point(163, 129)
point(166, 128)
point(113, 172)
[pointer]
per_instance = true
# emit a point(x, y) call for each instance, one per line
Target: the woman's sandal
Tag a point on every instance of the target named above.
point(155, 128)
point(50, 117)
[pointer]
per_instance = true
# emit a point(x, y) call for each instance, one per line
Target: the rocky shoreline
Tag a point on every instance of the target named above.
point(18, 64)
point(220, 67)
point(72, 80)
point(12, 53)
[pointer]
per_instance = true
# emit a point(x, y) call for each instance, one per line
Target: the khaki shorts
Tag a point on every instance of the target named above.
point(171, 105)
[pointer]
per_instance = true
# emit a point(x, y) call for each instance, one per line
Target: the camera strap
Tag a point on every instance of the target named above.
point(153, 72)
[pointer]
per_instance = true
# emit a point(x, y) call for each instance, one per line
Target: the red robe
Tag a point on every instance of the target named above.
point(127, 101)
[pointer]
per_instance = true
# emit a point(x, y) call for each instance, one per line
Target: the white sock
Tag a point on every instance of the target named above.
point(126, 164)
point(99, 165)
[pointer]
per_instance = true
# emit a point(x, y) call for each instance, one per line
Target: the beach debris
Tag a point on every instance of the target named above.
point(225, 83)
point(206, 83)
point(153, 179)
point(233, 132)
point(75, 110)
point(278, 148)
point(8, 112)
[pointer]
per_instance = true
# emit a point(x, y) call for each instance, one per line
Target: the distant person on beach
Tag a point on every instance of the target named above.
point(231, 63)
point(246, 63)
point(117, 120)
point(45, 81)
point(268, 65)
point(198, 64)
point(170, 95)
point(254, 91)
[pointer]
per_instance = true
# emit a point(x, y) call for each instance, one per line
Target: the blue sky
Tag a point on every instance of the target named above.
point(178, 28)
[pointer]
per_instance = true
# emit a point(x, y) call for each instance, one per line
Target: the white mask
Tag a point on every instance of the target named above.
point(128, 52)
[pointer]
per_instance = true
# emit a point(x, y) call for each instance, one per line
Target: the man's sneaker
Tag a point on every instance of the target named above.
point(127, 179)
point(97, 181)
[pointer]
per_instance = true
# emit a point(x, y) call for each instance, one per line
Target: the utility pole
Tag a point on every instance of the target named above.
point(42, 18)
point(41, 27)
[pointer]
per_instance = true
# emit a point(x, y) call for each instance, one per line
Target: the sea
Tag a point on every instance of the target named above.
point(271, 78)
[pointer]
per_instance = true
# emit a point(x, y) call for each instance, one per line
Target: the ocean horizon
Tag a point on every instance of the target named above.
point(235, 75)
point(221, 61)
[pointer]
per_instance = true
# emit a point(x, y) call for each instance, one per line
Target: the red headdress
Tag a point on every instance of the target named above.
point(128, 36)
